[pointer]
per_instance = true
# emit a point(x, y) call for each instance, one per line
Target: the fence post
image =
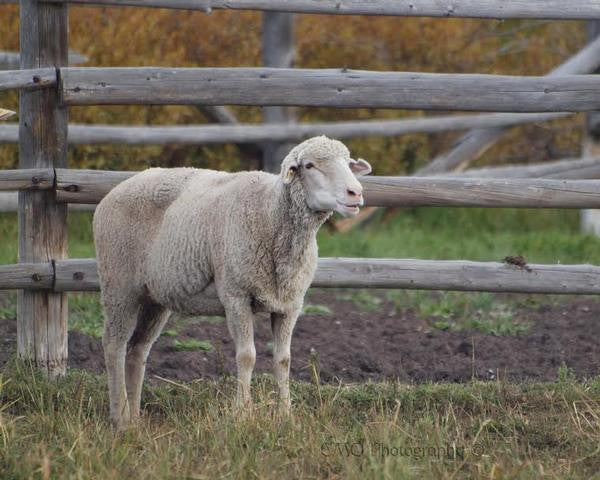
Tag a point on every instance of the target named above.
point(42, 316)
point(590, 219)
point(278, 51)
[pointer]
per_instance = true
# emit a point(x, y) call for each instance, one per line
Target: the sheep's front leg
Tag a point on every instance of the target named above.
point(282, 326)
point(240, 322)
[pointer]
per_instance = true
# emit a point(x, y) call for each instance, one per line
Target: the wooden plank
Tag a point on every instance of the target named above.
point(30, 79)
point(27, 275)
point(569, 169)
point(475, 142)
point(81, 275)
point(480, 192)
point(456, 275)
point(278, 51)
point(551, 9)
point(29, 179)
point(9, 202)
point(252, 133)
point(42, 316)
point(329, 88)
point(86, 186)
point(90, 186)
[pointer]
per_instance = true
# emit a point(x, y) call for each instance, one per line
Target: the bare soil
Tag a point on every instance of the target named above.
point(355, 346)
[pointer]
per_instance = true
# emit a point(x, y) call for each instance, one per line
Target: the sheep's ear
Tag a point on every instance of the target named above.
point(290, 173)
point(289, 166)
point(360, 167)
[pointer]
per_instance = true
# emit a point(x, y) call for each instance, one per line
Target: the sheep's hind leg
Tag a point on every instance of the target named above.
point(240, 322)
point(150, 322)
point(282, 327)
point(121, 316)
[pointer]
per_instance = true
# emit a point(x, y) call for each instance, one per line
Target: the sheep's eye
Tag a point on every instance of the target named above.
point(309, 165)
point(293, 169)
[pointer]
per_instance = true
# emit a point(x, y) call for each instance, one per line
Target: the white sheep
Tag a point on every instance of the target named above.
point(202, 242)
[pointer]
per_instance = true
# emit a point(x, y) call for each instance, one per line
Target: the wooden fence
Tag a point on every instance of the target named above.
point(48, 87)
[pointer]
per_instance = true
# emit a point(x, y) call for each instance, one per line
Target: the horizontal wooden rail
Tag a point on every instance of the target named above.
point(568, 169)
point(82, 275)
point(574, 169)
point(329, 88)
point(552, 9)
point(27, 275)
point(250, 133)
point(27, 79)
point(480, 192)
point(27, 179)
point(89, 186)
point(9, 202)
point(456, 275)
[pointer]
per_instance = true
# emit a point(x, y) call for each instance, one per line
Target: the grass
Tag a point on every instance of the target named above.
point(364, 300)
point(313, 309)
point(541, 236)
point(193, 345)
point(387, 430)
point(484, 312)
point(58, 429)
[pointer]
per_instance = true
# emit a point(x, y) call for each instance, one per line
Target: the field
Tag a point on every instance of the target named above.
point(361, 408)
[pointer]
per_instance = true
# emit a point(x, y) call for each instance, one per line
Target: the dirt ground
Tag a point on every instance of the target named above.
point(354, 346)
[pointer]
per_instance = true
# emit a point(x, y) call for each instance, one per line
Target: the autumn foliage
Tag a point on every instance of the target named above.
point(136, 37)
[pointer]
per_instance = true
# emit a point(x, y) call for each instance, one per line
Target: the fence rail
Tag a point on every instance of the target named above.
point(90, 186)
point(329, 88)
point(27, 79)
point(573, 169)
point(82, 275)
point(249, 133)
point(314, 87)
point(545, 9)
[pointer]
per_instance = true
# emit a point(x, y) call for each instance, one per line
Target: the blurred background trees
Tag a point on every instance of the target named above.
point(136, 37)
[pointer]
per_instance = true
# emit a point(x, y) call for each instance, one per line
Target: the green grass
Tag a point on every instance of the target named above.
point(541, 236)
point(312, 309)
point(193, 345)
point(58, 429)
point(85, 313)
point(364, 300)
point(170, 333)
point(457, 311)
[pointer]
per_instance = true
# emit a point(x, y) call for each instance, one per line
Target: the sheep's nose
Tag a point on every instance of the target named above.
point(354, 193)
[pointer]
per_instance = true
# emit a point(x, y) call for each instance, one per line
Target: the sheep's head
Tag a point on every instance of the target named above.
point(328, 175)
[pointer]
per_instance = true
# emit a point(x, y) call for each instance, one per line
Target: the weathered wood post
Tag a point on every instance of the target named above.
point(278, 51)
point(41, 315)
point(590, 219)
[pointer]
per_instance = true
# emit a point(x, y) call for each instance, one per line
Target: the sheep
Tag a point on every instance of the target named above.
point(200, 242)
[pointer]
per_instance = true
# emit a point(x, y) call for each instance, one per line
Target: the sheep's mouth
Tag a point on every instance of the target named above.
point(349, 207)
